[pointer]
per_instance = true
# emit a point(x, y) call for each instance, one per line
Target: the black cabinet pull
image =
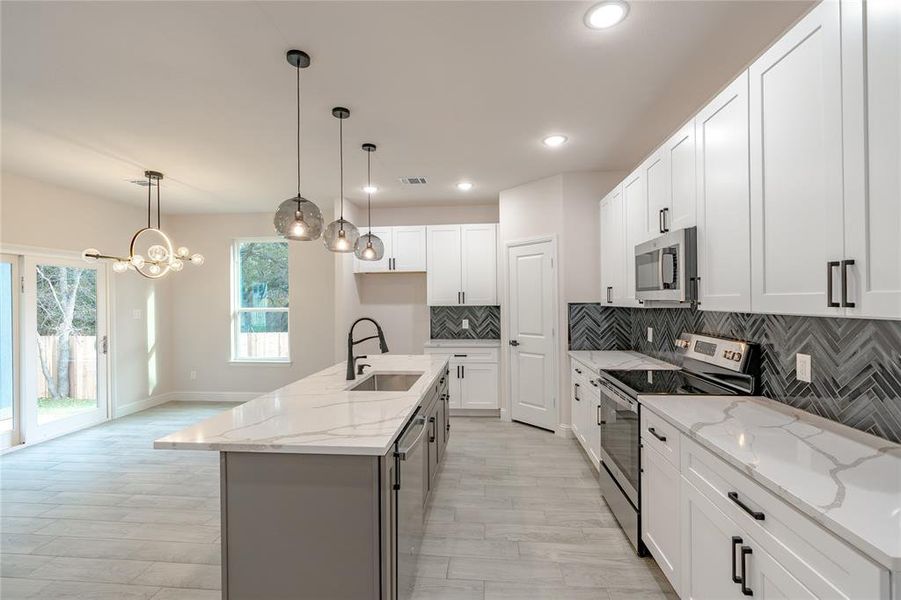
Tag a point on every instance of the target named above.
point(660, 220)
point(462, 371)
point(845, 264)
point(754, 513)
point(735, 542)
point(832, 264)
point(599, 416)
point(460, 355)
point(593, 382)
point(579, 371)
point(576, 392)
point(665, 228)
point(745, 551)
point(514, 342)
point(653, 432)
point(434, 429)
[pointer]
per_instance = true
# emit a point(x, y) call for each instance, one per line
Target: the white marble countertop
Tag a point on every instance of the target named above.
point(449, 343)
point(604, 360)
point(846, 480)
point(317, 414)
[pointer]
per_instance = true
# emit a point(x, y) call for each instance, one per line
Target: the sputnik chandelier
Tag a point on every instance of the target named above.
point(161, 256)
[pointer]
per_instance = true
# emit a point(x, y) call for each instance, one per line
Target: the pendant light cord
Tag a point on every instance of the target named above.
point(149, 201)
point(298, 133)
point(341, 168)
point(158, 226)
point(369, 193)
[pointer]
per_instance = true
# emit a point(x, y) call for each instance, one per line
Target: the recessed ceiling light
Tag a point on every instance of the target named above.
point(370, 189)
point(464, 186)
point(554, 140)
point(606, 14)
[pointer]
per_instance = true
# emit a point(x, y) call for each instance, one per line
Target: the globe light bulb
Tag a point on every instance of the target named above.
point(137, 260)
point(176, 265)
point(298, 227)
point(154, 269)
point(157, 253)
point(90, 255)
point(120, 266)
point(369, 252)
point(197, 259)
point(182, 252)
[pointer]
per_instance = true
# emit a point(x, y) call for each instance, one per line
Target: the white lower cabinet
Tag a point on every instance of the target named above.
point(585, 398)
point(718, 534)
point(660, 490)
point(473, 378)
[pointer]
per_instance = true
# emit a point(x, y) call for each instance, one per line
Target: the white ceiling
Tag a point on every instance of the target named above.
point(93, 93)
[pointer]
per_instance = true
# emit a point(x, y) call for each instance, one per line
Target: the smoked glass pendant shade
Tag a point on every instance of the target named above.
point(298, 219)
point(341, 236)
point(369, 247)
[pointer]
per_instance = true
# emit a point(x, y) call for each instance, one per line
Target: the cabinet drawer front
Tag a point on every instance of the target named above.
point(464, 355)
point(661, 436)
point(822, 562)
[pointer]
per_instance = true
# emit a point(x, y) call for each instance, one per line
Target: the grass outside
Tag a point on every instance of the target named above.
point(51, 409)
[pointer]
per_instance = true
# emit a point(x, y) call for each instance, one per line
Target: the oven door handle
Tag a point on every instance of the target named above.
point(614, 396)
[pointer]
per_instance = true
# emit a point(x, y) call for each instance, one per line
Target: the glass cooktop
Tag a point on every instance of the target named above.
point(668, 383)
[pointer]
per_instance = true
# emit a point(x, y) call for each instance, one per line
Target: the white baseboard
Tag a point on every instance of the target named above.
point(133, 407)
point(474, 412)
point(565, 431)
point(213, 396)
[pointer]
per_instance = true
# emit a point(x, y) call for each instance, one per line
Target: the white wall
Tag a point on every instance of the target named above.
point(396, 300)
point(201, 317)
point(565, 206)
point(37, 214)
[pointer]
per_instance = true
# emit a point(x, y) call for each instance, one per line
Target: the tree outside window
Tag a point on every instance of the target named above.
point(260, 298)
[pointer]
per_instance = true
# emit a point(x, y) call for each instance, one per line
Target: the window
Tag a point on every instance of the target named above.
point(260, 300)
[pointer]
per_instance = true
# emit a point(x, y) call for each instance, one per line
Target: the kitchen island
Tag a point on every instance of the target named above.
point(323, 486)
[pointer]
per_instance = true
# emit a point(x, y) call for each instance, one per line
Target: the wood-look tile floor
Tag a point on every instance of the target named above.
point(100, 514)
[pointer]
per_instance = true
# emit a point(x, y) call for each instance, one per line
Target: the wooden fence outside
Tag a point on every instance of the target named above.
point(82, 365)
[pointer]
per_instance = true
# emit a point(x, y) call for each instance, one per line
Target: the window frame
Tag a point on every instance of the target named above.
point(236, 309)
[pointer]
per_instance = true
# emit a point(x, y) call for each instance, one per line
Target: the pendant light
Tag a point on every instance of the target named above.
point(161, 257)
point(297, 218)
point(369, 246)
point(341, 235)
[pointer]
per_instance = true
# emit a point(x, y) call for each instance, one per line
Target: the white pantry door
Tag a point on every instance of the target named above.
point(532, 286)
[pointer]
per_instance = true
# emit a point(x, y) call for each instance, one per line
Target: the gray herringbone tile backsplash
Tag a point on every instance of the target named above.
point(856, 362)
point(446, 322)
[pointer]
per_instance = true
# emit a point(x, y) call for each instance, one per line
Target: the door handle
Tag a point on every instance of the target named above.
point(663, 212)
point(832, 264)
point(758, 516)
point(745, 551)
point(104, 345)
point(514, 342)
point(653, 432)
point(735, 542)
point(845, 264)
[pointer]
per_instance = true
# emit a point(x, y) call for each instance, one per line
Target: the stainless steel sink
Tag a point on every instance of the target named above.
point(387, 382)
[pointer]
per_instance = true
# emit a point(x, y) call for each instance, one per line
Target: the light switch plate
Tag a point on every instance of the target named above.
point(136, 314)
point(802, 367)
point(193, 374)
point(650, 334)
point(465, 324)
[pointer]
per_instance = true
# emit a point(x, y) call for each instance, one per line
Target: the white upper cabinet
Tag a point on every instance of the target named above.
point(479, 264)
point(723, 209)
point(871, 74)
point(376, 266)
point(680, 158)
point(612, 259)
point(462, 264)
point(444, 255)
point(635, 226)
point(408, 248)
point(797, 228)
point(658, 194)
point(405, 250)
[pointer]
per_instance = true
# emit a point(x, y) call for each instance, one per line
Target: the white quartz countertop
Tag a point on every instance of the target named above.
point(447, 343)
point(846, 480)
point(608, 360)
point(317, 414)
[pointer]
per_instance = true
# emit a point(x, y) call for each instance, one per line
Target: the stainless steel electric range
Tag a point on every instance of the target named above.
point(710, 366)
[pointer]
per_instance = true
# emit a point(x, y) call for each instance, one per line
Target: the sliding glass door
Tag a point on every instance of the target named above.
point(64, 382)
point(9, 355)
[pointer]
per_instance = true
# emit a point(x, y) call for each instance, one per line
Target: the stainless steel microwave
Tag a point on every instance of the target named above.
point(666, 267)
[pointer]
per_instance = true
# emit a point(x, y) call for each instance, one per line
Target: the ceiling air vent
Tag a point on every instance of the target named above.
point(413, 180)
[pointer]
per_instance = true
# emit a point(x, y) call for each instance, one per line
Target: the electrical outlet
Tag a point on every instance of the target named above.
point(465, 324)
point(650, 334)
point(193, 374)
point(802, 367)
